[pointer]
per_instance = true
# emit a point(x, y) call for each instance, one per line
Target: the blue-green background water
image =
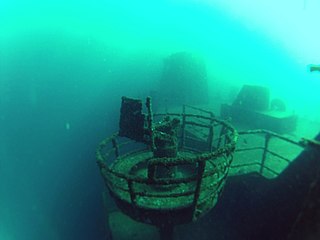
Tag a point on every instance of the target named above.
point(65, 64)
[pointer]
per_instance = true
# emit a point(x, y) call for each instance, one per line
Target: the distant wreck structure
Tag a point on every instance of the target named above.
point(252, 108)
point(183, 80)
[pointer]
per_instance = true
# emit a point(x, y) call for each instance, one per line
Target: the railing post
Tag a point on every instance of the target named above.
point(131, 192)
point(265, 151)
point(183, 127)
point(222, 131)
point(200, 171)
point(211, 132)
point(150, 122)
point(115, 146)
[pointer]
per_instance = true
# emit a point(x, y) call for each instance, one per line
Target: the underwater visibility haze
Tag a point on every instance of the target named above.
point(64, 66)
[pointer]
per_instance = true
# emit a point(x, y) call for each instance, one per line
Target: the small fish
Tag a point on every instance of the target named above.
point(314, 67)
point(67, 126)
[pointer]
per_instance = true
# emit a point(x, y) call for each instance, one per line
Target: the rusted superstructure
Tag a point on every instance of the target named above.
point(170, 169)
point(165, 179)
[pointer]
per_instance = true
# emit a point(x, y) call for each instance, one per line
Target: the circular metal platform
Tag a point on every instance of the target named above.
point(193, 181)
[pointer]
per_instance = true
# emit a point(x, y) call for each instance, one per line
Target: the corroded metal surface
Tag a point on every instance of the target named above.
point(198, 180)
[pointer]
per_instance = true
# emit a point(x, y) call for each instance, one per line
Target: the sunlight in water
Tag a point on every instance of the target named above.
point(240, 40)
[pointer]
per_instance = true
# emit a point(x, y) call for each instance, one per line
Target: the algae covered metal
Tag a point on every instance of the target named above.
point(160, 171)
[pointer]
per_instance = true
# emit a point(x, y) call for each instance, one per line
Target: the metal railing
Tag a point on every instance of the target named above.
point(268, 159)
point(222, 145)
